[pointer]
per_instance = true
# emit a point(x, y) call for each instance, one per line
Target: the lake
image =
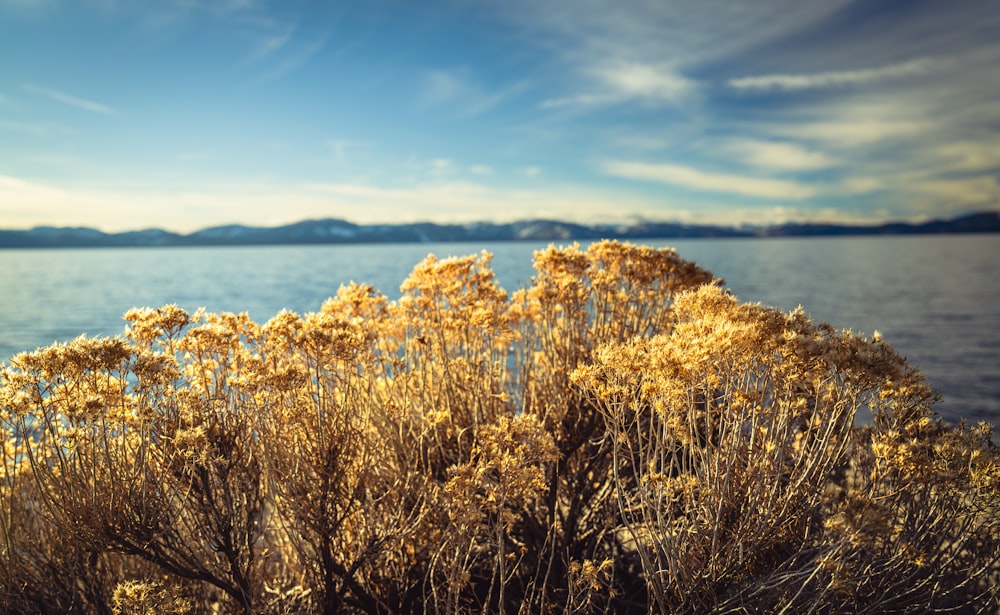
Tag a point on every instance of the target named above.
point(935, 298)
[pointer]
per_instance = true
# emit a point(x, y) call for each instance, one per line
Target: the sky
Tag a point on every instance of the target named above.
point(184, 114)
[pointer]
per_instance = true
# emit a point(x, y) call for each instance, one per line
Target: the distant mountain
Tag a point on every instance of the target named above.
point(334, 231)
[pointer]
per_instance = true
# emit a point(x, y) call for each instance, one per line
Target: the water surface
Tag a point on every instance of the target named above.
point(935, 298)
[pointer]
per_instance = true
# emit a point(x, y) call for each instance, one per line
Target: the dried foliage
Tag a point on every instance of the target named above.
point(621, 436)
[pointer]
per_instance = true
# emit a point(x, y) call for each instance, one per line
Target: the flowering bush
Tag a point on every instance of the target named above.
point(621, 436)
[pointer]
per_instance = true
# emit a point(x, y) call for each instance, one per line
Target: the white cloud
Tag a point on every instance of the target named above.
point(185, 208)
point(630, 81)
point(441, 165)
point(959, 194)
point(32, 203)
point(859, 131)
point(532, 172)
point(688, 177)
point(67, 99)
point(683, 32)
point(481, 169)
point(861, 185)
point(966, 155)
point(919, 66)
point(777, 155)
point(858, 122)
point(456, 201)
point(772, 214)
point(442, 86)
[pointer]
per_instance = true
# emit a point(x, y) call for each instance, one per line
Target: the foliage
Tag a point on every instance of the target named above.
point(621, 436)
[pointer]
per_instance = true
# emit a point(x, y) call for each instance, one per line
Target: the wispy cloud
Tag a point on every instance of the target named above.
point(960, 193)
point(911, 68)
point(776, 155)
point(441, 166)
point(293, 55)
point(442, 86)
point(189, 207)
point(852, 122)
point(346, 150)
point(273, 42)
point(643, 142)
point(461, 88)
point(682, 32)
point(465, 201)
point(645, 82)
point(630, 81)
point(39, 129)
point(68, 99)
point(689, 177)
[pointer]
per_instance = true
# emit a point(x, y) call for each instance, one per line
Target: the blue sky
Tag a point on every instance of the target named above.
point(182, 114)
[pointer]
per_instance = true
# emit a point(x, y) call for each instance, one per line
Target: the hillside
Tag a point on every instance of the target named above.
point(336, 231)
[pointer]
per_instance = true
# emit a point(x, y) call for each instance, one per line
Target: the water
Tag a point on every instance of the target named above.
point(935, 298)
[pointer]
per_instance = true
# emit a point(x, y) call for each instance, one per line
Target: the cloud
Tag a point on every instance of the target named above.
point(294, 55)
point(856, 122)
point(67, 99)
point(774, 214)
point(777, 155)
point(441, 166)
point(462, 88)
point(683, 32)
point(481, 169)
point(860, 185)
point(38, 129)
point(639, 51)
point(33, 203)
point(919, 66)
point(462, 201)
point(346, 150)
point(848, 132)
point(966, 155)
point(688, 177)
point(962, 193)
point(441, 86)
point(643, 142)
point(185, 208)
point(630, 81)
point(272, 44)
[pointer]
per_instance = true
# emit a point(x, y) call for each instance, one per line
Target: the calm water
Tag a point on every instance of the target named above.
point(936, 299)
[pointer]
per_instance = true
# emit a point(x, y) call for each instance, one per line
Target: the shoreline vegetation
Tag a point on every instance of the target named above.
point(335, 231)
point(621, 436)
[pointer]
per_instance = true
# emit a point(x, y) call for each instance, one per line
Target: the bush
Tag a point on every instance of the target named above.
point(621, 436)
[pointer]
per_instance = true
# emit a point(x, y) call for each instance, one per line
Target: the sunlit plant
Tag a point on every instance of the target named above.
point(623, 435)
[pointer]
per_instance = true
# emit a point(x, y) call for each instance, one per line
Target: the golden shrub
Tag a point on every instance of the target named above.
point(622, 435)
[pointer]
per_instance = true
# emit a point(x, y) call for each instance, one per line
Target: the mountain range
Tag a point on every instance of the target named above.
point(336, 231)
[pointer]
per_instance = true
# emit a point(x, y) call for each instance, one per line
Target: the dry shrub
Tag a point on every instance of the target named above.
point(620, 436)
